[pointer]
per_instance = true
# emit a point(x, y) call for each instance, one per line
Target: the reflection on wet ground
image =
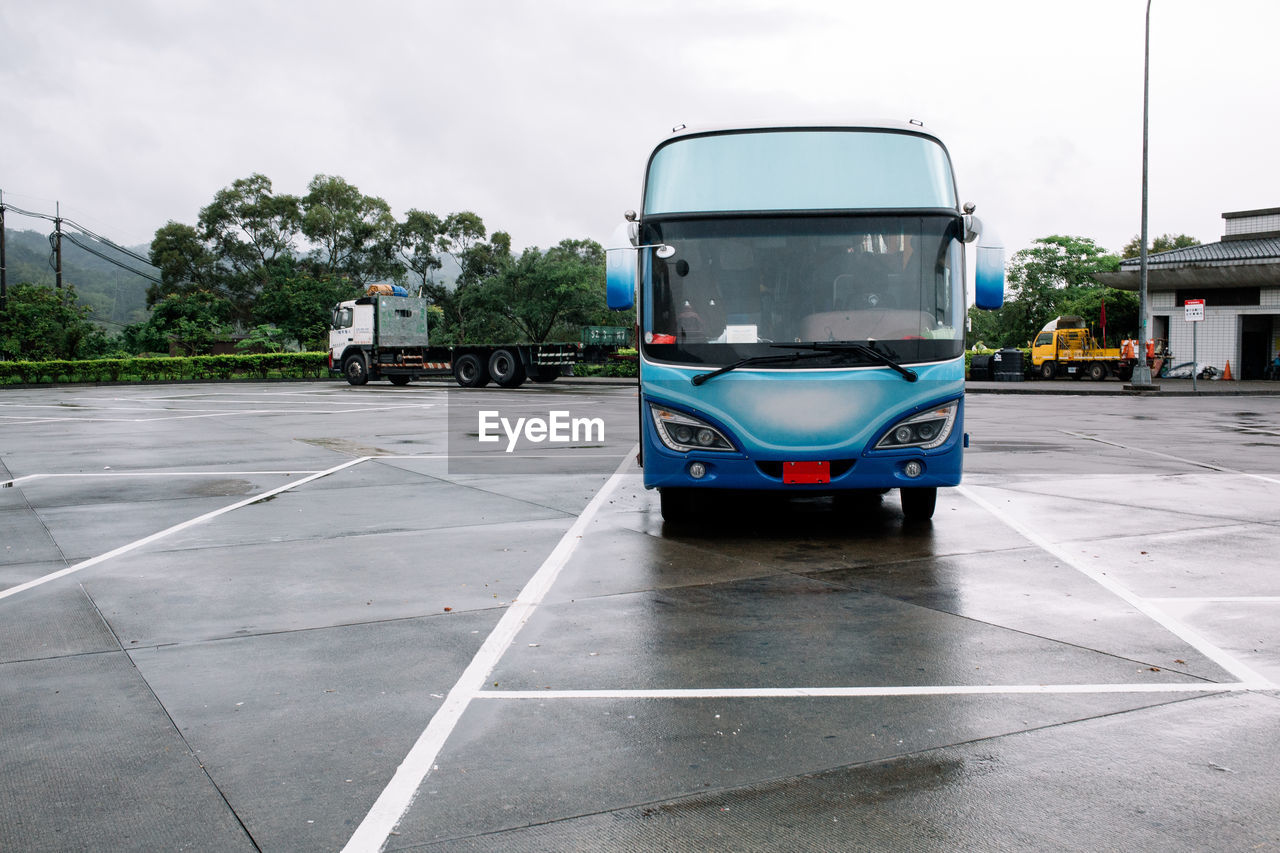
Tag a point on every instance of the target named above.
point(1079, 651)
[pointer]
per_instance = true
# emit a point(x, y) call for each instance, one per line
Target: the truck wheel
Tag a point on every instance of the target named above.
point(469, 371)
point(506, 369)
point(355, 369)
point(918, 504)
point(1048, 370)
point(1097, 371)
point(400, 379)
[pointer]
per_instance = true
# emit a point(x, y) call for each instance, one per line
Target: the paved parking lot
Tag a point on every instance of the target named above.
point(307, 616)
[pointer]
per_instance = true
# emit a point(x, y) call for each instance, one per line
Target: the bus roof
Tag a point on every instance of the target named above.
point(855, 165)
point(911, 126)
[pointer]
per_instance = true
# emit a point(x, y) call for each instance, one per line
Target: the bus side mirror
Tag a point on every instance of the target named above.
point(620, 272)
point(988, 277)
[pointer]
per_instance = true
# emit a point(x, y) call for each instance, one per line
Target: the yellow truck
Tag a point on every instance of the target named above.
point(1065, 347)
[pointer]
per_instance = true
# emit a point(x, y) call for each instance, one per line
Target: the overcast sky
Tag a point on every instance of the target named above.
point(539, 115)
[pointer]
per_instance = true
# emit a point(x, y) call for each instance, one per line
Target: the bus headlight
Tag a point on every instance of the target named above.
point(925, 430)
point(681, 432)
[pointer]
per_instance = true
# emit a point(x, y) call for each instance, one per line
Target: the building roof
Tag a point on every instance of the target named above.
point(1224, 251)
point(1251, 262)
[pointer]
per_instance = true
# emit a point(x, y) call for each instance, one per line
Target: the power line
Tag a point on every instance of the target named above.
point(88, 248)
point(93, 237)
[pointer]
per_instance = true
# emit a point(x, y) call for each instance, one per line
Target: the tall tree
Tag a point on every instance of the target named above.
point(300, 305)
point(420, 238)
point(1163, 243)
point(192, 320)
point(1044, 281)
point(184, 261)
point(544, 295)
point(355, 235)
point(462, 237)
point(460, 233)
point(38, 324)
point(248, 227)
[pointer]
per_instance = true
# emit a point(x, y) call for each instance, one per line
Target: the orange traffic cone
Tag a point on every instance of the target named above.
point(1226, 374)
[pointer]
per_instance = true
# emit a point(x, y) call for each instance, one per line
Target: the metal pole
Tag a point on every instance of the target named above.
point(4, 280)
point(1142, 371)
point(1195, 357)
point(57, 247)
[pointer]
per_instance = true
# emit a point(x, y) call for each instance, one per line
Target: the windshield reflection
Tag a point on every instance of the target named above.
point(735, 286)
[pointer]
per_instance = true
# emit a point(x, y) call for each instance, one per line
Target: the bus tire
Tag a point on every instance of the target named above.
point(1048, 370)
point(1097, 371)
point(506, 369)
point(677, 504)
point(918, 503)
point(355, 369)
point(470, 371)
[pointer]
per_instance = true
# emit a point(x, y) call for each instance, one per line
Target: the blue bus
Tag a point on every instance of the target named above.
point(800, 296)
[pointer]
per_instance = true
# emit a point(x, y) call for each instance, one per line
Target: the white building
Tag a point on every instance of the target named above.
point(1239, 280)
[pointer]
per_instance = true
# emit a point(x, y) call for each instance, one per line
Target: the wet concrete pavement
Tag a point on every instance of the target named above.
point(276, 617)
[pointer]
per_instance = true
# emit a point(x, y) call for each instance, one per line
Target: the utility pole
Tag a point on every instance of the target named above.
point(1141, 379)
point(4, 280)
point(57, 247)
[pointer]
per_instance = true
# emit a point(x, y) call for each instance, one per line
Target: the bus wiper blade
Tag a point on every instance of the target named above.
point(869, 352)
point(758, 359)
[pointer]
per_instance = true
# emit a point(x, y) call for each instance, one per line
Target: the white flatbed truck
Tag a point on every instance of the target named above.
point(384, 336)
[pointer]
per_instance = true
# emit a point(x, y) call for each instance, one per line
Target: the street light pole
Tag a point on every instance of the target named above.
point(1142, 370)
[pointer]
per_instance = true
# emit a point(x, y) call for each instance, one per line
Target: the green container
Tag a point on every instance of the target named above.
point(617, 336)
point(401, 321)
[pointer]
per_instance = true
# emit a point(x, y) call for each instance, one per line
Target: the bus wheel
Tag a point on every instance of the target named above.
point(356, 371)
point(677, 504)
point(506, 369)
point(1097, 371)
point(918, 504)
point(470, 372)
point(1048, 370)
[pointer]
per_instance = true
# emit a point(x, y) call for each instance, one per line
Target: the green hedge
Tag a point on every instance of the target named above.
point(622, 363)
point(289, 365)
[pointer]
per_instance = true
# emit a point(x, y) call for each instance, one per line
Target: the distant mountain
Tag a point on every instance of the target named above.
point(116, 296)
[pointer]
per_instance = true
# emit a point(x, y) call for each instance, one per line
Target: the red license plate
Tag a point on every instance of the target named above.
point(806, 472)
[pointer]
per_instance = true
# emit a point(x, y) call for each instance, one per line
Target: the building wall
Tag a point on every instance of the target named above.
point(1217, 340)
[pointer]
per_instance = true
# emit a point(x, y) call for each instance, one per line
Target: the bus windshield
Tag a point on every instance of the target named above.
point(738, 287)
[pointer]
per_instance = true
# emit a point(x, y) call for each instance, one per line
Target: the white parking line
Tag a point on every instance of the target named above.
point(4, 484)
point(1215, 599)
point(401, 791)
point(1244, 673)
point(1193, 462)
point(168, 531)
point(854, 692)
